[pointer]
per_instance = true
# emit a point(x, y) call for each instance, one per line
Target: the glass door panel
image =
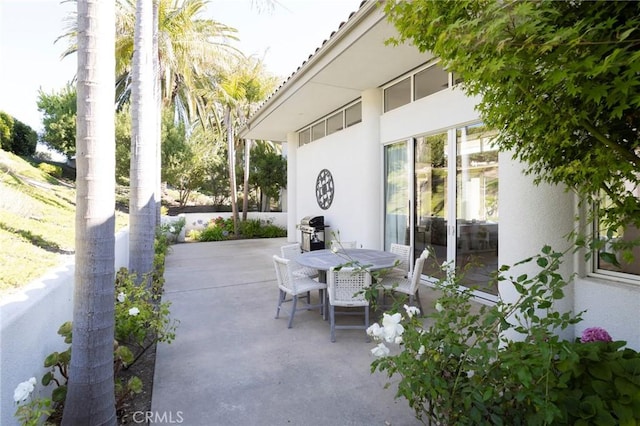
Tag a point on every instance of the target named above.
point(396, 194)
point(430, 218)
point(476, 251)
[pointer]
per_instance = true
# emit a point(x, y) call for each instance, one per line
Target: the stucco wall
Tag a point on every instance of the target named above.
point(612, 305)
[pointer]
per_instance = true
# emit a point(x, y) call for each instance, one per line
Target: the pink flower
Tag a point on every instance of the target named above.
point(595, 334)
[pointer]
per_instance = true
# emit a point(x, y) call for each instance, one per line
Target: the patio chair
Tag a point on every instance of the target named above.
point(340, 245)
point(346, 289)
point(404, 253)
point(407, 285)
point(291, 252)
point(296, 288)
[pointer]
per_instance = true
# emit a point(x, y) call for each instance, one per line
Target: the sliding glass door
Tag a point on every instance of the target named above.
point(441, 194)
point(476, 252)
point(396, 194)
point(431, 171)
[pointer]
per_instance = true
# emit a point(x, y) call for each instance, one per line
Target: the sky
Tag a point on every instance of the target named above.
point(30, 60)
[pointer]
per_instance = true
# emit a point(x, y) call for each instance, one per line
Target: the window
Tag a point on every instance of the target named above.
point(604, 262)
point(318, 131)
point(430, 81)
point(397, 95)
point(304, 137)
point(334, 123)
point(331, 123)
point(353, 114)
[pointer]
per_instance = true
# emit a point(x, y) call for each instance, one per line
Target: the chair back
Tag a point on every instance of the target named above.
point(404, 253)
point(417, 271)
point(291, 251)
point(337, 245)
point(286, 282)
point(346, 286)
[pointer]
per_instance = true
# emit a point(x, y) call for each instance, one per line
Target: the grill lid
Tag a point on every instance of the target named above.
point(313, 221)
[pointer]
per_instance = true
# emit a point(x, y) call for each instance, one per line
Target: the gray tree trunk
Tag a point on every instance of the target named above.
point(158, 100)
point(228, 121)
point(247, 164)
point(90, 396)
point(142, 204)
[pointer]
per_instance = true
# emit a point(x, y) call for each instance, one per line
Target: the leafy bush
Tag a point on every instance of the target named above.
point(220, 229)
point(505, 364)
point(141, 320)
point(50, 169)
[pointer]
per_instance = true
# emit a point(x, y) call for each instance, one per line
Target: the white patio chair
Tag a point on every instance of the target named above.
point(291, 252)
point(296, 288)
point(340, 245)
point(407, 285)
point(404, 253)
point(346, 289)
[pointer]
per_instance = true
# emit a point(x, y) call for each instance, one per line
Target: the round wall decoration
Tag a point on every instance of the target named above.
point(324, 189)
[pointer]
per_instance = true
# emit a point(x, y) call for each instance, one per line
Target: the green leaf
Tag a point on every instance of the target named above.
point(51, 360)
point(46, 379)
point(59, 394)
point(600, 371)
point(609, 258)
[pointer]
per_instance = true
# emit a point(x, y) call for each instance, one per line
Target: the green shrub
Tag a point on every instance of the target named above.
point(220, 229)
point(141, 320)
point(50, 169)
point(463, 364)
point(213, 233)
point(250, 228)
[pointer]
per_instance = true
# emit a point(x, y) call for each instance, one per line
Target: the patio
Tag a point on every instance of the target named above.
point(232, 363)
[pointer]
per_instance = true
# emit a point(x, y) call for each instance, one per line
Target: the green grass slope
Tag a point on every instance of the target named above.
point(37, 215)
point(37, 222)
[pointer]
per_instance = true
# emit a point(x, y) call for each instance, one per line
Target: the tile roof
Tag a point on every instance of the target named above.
point(284, 82)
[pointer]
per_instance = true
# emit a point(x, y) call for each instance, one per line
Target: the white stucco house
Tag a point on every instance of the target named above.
point(382, 142)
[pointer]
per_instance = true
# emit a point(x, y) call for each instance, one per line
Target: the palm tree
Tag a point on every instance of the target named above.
point(188, 48)
point(90, 397)
point(142, 203)
point(236, 91)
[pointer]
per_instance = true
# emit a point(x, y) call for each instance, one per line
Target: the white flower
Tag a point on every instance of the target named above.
point(122, 297)
point(471, 373)
point(398, 340)
point(439, 307)
point(172, 229)
point(134, 311)
point(375, 331)
point(380, 351)
point(392, 327)
point(411, 310)
point(421, 350)
point(24, 389)
point(334, 249)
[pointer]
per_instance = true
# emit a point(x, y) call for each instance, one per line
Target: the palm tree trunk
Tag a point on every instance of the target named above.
point(228, 121)
point(142, 205)
point(157, 93)
point(90, 396)
point(247, 163)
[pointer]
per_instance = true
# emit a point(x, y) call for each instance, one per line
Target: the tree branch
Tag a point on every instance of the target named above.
point(627, 155)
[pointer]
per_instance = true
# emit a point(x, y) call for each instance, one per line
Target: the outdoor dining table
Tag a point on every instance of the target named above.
point(324, 260)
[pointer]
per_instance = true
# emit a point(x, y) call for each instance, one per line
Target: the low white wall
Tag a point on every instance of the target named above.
point(199, 220)
point(29, 321)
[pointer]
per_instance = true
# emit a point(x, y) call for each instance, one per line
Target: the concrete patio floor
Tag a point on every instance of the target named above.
point(233, 363)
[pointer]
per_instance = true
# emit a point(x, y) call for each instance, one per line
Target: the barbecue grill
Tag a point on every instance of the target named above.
point(312, 230)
